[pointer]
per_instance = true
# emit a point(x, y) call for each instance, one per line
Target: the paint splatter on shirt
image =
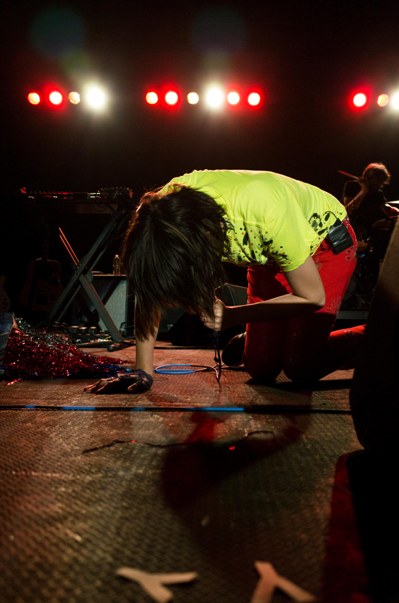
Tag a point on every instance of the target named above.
point(271, 216)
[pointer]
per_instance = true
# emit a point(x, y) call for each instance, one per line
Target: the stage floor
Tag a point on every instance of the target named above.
point(194, 476)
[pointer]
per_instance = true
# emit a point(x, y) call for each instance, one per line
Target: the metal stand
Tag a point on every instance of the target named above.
point(82, 276)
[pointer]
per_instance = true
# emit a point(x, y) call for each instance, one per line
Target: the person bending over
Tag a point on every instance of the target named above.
point(300, 252)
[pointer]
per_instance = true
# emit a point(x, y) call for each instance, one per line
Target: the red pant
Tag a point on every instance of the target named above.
point(298, 346)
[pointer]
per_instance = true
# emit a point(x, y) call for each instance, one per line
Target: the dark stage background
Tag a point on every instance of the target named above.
point(307, 56)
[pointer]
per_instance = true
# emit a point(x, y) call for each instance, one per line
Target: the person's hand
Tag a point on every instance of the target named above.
point(362, 247)
point(214, 323)
point(135, 382)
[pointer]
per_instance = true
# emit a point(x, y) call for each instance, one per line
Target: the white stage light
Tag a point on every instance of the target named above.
point(214, 97)
point(96, 97)
point(192, 98)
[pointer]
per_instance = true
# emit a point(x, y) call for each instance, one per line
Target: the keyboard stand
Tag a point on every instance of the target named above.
point(82, 275)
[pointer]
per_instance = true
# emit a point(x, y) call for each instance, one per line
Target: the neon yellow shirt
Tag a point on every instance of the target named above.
point(271, 216)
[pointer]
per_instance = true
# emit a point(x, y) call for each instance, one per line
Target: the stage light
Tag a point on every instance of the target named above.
point(360, 100)
point(214, 97)
point(34, 98)
point(171, 98)
point(151, 97)
point(55, 98)
point(95, 97)
point(254, 99)
point(382, 100)
point(193, 98)
point(74, 97)
point(233, 98)
point(394, 102)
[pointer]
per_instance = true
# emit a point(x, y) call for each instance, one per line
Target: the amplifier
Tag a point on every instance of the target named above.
point(113, 291)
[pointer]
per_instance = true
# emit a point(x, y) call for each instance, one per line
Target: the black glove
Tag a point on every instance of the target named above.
point(135, 382)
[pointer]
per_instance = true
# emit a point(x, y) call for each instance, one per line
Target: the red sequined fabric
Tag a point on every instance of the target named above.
point(39, 354)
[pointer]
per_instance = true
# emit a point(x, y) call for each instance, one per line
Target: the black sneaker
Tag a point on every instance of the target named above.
point(234, 350)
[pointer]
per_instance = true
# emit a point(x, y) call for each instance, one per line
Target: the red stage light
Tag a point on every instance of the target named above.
point(214, 97)
point(359, 99)
point(56, 98)
point(254, 98)
point(171, 98)
point(53, 96)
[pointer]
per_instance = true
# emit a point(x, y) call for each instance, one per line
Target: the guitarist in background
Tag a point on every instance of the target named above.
point(373, 221)
point(365, 202)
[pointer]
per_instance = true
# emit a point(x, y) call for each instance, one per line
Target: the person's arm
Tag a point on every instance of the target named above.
point(139, 380)
point(307, 295)
point(145, 354)
point(352, 205)
point(390, 210)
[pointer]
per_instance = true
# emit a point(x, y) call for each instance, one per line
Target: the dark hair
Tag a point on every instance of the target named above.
point(173, 251)
point(376, 174)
